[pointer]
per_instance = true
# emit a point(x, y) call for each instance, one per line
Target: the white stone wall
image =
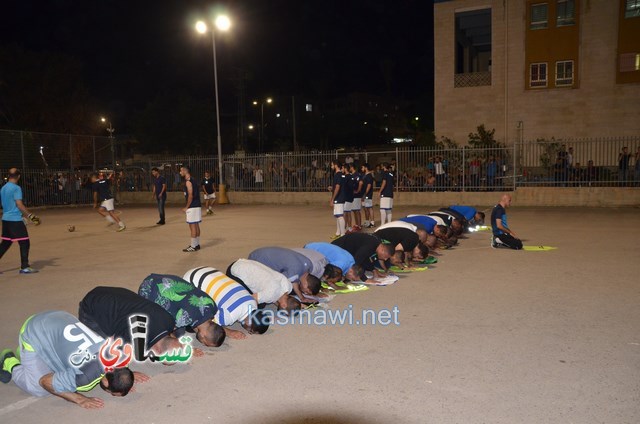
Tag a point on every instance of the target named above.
point(598, 108)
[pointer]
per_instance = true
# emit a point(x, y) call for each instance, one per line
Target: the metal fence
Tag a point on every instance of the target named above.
point(58, 173)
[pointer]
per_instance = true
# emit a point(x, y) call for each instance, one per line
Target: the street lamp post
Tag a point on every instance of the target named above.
point(268, 100)
point(110, 130)
point(223, 23)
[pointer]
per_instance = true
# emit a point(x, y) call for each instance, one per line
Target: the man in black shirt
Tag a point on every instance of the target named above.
point(502, 234)
point(193, 208)
point(106, 310)
point(367, 191)
point(102, 192)
point(386, 194)
point(356, 205)
point(338, 197)
point(159, 192)
point(366, 250)
point(209, 190)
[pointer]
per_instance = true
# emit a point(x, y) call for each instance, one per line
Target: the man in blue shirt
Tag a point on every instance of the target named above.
point(472, 215)
point(159, 192)
point(294, 266)
point(502, 234)
point(13, 228)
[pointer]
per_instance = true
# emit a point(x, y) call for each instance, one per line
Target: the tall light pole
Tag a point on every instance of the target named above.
point(110, 130)
point(268, 100)
point(222, 23)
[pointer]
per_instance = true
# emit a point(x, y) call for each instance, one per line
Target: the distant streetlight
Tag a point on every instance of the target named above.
point(250, 127)
point(222, 23)
point(110, 130)
point(268, 100)
point(417, 118)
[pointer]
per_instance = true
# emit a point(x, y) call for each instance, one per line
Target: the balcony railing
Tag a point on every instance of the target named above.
point(472, 79)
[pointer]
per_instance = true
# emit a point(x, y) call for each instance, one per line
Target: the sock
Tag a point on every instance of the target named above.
point(341, 225)
point(389, 215)
point(110, 219)
point(9, 363)
point(121, 224)
point(194, 243)
point(383, 216)
point(197, 241)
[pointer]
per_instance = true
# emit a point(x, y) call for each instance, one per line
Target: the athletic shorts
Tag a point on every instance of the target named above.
point(356, 205)
point(386, 203)
point(107, 204)
point(338, 209)
point(14, 231)
point(211, 196)
point(348, 206)
point(368, 203)
point(194, 215)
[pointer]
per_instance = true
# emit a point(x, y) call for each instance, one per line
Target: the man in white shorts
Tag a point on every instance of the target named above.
point(193, 208)
point(338, 198)
point(386, 194)
point(209, 191)
point(102, 193)
point(367, 190)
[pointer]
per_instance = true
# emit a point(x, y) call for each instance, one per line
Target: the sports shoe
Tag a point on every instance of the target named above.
point(209, 212)
point(335, 237)
point(122, 228)
point(5, 376)
point(198, 247)
point(28, 270)
point(190, 249)
point(161, 222)
point(493, 243)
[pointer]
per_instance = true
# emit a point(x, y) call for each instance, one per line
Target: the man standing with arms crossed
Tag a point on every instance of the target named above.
point(338, 198)
point(502, 235)
point(13, 228)
point(367, 184)
point(193, 208)
point(386, 194)
point(159, 193)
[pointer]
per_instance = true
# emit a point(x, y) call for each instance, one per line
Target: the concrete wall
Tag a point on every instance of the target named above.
point(598, 108)
point(535, 196)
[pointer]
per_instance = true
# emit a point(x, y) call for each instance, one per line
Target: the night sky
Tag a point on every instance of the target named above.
point(316, 49)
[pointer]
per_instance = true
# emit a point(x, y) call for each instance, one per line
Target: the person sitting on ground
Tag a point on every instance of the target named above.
point(503, 236)
point(294, 266)
point(106, 310)
point(339, 258)
point(192, 309)
point(264, 284)
point(53, 362)
point(366, 250)
point(320, 266)
point(235, 303)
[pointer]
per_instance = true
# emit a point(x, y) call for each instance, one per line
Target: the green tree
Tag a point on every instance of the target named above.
point(483, 138)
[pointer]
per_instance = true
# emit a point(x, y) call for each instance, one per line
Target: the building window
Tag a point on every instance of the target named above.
point(629, 62)
point(538, 77)
point(632, 8)
point(539, 14)
point(564, 73)
point(566, 12)
point(472, 48)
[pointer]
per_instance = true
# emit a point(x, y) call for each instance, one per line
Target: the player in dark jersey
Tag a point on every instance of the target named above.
point(386, 194)
point(102, 193)
point(503, 236)
point(356, 205)
point(338, 197)
point(367, 196)
point(348, 198)
point(209, 190)
point(192, 209)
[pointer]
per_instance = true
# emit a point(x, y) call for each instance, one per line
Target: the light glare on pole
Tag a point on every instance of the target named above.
point(201, 27)
point(223, 23)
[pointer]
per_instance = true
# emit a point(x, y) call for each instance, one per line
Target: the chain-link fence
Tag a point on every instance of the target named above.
point(56, 167)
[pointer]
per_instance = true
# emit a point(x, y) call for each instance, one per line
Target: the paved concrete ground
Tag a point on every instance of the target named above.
point(486, 336)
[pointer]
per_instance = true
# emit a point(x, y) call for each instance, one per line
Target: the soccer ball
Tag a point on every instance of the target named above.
point(71, 228)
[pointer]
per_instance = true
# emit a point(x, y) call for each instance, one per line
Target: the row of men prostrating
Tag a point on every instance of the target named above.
point(66, 356)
